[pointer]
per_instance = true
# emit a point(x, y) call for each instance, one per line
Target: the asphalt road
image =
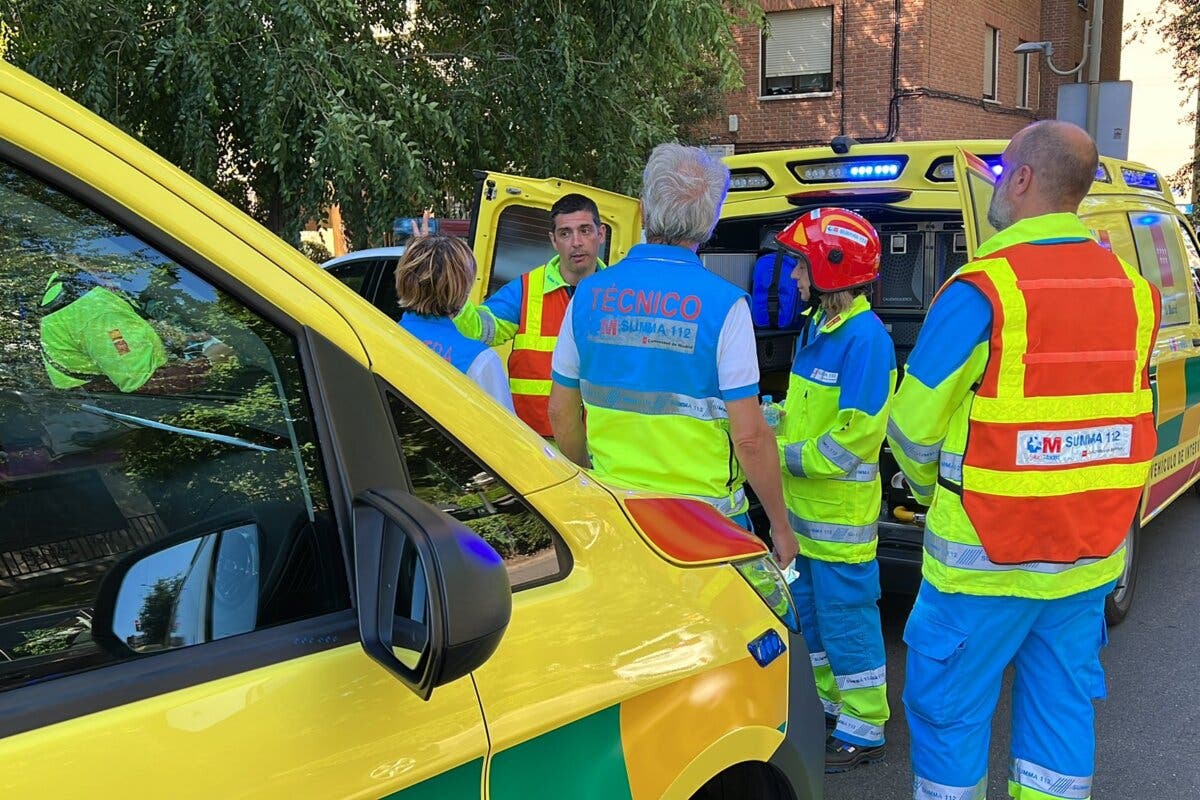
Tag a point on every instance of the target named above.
point(1148, 730)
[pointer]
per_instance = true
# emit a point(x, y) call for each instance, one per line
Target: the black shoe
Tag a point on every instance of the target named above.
point(842, 756)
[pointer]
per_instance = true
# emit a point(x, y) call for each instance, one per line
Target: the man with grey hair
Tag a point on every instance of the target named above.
point(1028, 427)
point(660, 352)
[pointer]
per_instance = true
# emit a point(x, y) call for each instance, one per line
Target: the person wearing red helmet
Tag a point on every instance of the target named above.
point(834, 423)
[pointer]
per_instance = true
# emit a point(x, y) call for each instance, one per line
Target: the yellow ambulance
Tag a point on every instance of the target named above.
point(308, 558)
point(929, 203)
point(930, 207)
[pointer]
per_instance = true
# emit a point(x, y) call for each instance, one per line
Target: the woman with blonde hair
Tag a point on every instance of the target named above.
point(433, 280)
point(834, 423)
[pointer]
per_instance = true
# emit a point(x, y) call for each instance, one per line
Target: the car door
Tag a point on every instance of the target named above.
point(976, 184)
point(1159, 242)
point(511, 226)
point(175, 612)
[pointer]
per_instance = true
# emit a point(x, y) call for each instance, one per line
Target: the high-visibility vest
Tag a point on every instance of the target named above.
point(533, 348)
point(1060, 432)
point(830, 442)
point(648, 332)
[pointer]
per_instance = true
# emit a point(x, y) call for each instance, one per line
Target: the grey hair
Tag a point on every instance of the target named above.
point(682, 192)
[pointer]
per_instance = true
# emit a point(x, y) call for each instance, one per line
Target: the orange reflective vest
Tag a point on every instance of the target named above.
point(533, 347)
point(1061, 432)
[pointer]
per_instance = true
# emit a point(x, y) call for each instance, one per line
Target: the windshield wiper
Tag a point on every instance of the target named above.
point(163, 426)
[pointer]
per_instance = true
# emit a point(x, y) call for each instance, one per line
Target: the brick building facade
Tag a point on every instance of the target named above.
point(937, 48)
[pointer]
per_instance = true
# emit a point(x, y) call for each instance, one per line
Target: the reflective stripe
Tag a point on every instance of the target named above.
point(838, 454)
point(1144, 301)
point(529, 386)
point(921, 488)
point(972, 556)
point(1035, 776)
point(1035, 484)
point(831, 708)
point(928, 790)
point(535, 286)
point(859, 729)
point(539, 344)
point(793, 458)
point(864, 473)
point(487, 326)
point(862, 680)
point(728, 505)
point(1062, 409)
point(919, 453)
point(702, 408)
point(950, 467)
point(819, 658)
point(828, 532)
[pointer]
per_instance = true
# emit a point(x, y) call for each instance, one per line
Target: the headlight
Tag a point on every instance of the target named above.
point(767, 581)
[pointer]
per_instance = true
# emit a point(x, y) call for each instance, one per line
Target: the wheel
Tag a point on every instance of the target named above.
point(747, 781)
point(1120, 599)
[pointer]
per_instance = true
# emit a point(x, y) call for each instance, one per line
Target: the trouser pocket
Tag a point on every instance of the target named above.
point(933, 687)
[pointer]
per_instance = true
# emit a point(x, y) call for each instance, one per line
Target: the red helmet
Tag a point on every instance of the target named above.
point(841, 248)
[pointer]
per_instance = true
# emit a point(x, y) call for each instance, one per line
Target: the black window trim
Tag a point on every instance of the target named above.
point(566, 559)
point(54, 700)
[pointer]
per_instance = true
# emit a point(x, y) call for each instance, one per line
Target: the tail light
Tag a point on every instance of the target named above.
point(692, 532)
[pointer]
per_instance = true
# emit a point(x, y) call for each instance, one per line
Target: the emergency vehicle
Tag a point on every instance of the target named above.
point(329, 565)
point(929, 202)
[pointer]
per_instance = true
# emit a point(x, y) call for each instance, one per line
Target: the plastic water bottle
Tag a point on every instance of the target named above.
point(770, 410)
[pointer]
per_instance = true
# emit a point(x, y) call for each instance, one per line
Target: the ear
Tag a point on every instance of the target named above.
point(1021, 180)
point(602, 232)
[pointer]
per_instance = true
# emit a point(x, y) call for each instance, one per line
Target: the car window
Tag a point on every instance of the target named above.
point(386, 299)
point(1193, 257)
point(443, 474)
point(523, 242)
point(354, 274)
point(1160, 253)
point(160, 483)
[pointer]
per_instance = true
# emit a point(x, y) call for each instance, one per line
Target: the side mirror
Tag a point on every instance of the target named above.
point(186, 589)
point(433, 597)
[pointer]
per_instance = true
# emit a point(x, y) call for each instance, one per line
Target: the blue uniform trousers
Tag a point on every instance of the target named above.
point(958, 648)
point(836, 603)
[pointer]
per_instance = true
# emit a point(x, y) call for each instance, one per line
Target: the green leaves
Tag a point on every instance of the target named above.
point(284, 106)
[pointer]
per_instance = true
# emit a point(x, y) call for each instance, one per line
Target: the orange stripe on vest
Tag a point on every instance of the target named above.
point(1081, 331)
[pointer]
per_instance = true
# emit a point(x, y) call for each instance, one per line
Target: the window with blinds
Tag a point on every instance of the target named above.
point(797, 52)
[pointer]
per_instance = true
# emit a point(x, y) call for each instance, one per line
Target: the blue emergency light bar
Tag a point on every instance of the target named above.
point(1140, 178)
point(848, 170)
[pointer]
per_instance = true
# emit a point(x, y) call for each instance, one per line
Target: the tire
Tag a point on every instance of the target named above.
point(1120, 599)
point(747, 781)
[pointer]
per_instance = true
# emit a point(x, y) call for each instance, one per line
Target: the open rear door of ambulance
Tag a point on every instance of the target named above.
point(510, 228)
point(976, 185)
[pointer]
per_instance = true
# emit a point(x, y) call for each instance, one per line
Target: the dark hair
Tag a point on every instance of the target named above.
point(571, 203)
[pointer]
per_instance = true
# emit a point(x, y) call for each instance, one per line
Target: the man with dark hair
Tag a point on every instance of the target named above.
point(529, 310)
point(1028, 427)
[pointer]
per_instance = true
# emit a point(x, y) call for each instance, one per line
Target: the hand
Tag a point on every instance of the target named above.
point(422, 227)
point(784, 545)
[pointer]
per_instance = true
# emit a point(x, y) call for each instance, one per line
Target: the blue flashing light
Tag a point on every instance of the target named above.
point(834, 172)
point(480, 549)
point(1149, 219)
point(997, 169)
point(767, 648)
point(1140, 179)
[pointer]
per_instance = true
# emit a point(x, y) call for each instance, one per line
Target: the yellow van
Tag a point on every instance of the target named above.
point(930, 209)
point(929, 202)
point(304, 557)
